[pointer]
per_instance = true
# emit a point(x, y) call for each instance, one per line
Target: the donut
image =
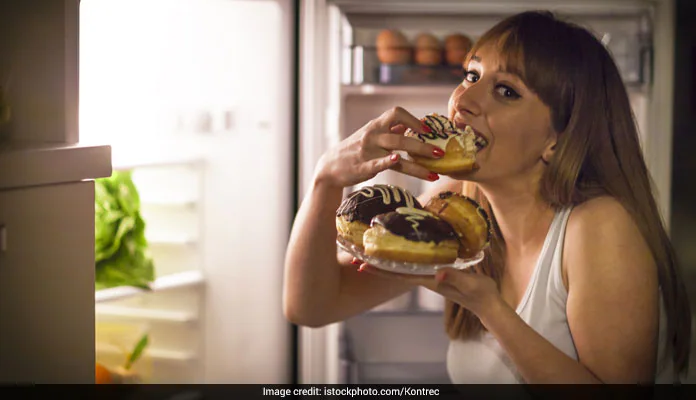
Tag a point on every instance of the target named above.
point(469, 220)
point(460, 146)
point(355, 213)
point(411, 235)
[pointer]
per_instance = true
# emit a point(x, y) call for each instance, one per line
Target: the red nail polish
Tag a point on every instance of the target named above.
point(355, 261)
point(427, 129)
point(394, 157)
point(438, 152)
point(433, 176)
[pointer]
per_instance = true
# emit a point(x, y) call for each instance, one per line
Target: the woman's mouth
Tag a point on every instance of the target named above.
point(480, 141)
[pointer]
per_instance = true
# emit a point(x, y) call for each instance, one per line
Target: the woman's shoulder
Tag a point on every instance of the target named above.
point(602, 218)
point(599, 210)
point(601, 232)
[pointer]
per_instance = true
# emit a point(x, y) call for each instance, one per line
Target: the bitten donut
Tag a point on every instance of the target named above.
point(468, 219)
point(355, 213)
point(460, 145)
point(411, 235)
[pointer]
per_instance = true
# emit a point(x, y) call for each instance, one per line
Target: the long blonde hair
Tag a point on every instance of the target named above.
point(597, 153)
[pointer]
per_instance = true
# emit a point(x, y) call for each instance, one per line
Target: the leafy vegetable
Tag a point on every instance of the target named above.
point(121, 249)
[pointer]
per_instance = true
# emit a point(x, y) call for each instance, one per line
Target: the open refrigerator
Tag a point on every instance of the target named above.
point(343, 86)
point(196, 99)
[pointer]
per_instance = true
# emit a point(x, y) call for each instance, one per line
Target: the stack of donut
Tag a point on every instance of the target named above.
point(387, 222)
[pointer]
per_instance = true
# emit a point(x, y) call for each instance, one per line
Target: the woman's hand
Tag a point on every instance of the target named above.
point(371, 150)
point(469, 288)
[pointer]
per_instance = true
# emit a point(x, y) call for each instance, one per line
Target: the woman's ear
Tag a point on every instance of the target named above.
point(548, 153)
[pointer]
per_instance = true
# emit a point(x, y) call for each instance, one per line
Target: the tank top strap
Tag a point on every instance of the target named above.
point(555, 269)
point(546, 260)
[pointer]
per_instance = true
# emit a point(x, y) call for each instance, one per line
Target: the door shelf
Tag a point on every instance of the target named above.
point(169, 282)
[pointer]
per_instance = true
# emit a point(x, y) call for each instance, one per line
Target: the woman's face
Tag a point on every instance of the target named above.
point(514, 121)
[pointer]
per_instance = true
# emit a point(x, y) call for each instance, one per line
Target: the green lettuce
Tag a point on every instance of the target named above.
point(121, 249)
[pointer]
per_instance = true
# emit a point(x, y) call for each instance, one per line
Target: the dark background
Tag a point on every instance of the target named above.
point(683, 220)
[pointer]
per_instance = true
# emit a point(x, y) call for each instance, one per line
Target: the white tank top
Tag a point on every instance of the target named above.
point(482, 360)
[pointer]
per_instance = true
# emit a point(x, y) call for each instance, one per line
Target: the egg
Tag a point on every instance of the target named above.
point(428, 49)
point(457, 46)
point(393, 47)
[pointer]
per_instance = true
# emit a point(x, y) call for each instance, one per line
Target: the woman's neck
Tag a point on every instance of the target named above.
point(522, 215)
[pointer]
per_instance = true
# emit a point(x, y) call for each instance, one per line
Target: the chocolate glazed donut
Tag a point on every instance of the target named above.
point(460, 145)
point(411, 235)
point(355, 213)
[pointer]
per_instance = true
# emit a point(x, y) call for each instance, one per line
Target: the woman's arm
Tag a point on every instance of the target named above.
point(612, 306)
point(318, 288)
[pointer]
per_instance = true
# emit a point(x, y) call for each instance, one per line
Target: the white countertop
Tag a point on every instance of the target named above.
point(31, 164)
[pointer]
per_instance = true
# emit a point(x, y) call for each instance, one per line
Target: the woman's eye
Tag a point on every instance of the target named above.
point(506, 92)
point(471, 76)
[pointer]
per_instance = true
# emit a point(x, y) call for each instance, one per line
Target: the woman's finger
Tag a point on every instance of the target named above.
point(411, 145)
point(410, 168)
point(377, 165)
point(398, 129)
point(399, 116)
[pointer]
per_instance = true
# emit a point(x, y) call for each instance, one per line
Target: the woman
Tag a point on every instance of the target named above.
point(580, 283)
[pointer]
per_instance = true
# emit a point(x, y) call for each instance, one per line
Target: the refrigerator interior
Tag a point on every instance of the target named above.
point(403, 340)
point(195, 97)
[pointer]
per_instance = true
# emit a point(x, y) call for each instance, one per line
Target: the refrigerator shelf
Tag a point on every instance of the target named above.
point(161, 239)
point(169, 282)
point(169, 201)
point(125, 164)
point(154, 353)
point(397, 90)
point(155, 315)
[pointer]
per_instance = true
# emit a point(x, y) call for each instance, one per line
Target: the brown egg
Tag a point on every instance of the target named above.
point(456, 48)
point(393, 47)
point(427, 41)
point(428, 50)
point(394, 55)
point(391, 38)
point(428, 56)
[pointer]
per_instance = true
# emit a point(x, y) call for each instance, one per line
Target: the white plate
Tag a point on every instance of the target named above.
point(405, 267)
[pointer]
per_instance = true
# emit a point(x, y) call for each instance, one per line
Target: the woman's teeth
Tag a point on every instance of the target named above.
point(480, 142)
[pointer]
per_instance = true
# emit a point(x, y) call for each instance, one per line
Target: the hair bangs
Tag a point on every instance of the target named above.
point(535, 49)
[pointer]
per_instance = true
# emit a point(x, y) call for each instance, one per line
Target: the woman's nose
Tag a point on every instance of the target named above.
point(467, 100)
